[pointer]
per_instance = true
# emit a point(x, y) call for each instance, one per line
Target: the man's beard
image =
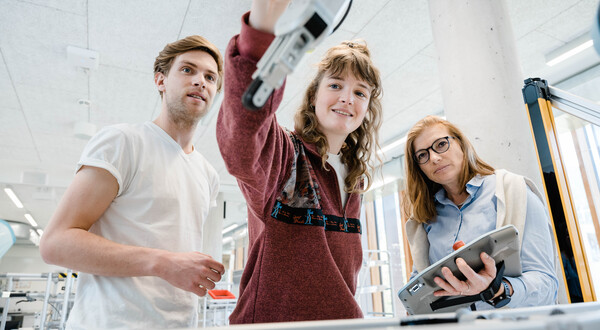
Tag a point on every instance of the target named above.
point(181, 116)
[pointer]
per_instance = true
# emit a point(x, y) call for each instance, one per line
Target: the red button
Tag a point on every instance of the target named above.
point(458, 245)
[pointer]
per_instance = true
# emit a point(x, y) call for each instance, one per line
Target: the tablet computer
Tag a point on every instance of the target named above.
point(500, 244)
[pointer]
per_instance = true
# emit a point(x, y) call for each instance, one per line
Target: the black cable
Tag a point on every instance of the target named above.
point(56, 309)
point(343, 17)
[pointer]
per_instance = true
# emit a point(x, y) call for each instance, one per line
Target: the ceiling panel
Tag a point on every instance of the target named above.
point(20, 153)
point(29, 66)
point(50, 105)
point(430, 50)
point(218, 21)
point(572, 22)
point(584, 85)
point(77, 7)
point(414, 80)
point(60, 148)
point(529, 15)
point(130, 34)
point(23, 29)
point(13, 131)
point(8, 97)
point(34, 55)
point(121, 95)
point(396, 126)
point(361, 13)
point(397, 33)
point(531, 52)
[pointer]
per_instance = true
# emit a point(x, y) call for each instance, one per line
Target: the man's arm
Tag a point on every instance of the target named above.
point(67, 242)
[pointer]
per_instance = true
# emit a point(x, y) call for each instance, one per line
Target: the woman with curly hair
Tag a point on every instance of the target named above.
point(302, 187)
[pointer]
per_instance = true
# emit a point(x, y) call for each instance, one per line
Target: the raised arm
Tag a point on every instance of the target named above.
point(256, 150)
point(67, 242)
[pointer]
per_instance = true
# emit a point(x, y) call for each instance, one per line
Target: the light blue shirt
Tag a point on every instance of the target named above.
point(538, 284)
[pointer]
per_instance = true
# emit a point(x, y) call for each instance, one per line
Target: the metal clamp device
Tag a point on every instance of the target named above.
point(301, 27)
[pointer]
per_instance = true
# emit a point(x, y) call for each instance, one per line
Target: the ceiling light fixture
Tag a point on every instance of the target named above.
point(84, 58)
point(379, 184)
point(85, 129)
point(13, 197)
point(31, 219)
point(393, 145)
point(569, 50)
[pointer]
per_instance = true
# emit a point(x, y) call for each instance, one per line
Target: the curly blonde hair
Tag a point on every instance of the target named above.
point(420, 190)
point(360, 145)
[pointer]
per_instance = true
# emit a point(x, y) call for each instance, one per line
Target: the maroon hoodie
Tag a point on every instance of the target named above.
point(304, 250)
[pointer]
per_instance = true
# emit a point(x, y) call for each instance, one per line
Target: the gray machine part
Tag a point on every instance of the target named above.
point(500, 244)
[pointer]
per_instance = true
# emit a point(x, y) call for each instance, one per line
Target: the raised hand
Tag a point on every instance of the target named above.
point(265, 13)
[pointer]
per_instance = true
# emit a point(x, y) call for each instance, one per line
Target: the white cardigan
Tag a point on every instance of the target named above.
point(511, 194)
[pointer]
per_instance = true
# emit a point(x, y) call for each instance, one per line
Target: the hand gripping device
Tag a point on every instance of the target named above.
point(301, 27)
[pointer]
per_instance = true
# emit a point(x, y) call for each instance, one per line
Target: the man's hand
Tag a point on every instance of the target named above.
point(191, 271)
point(475, 282)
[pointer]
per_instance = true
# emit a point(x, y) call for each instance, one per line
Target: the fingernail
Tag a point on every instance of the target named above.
point(485, 255)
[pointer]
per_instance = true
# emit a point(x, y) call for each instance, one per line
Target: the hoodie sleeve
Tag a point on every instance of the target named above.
point(256, 150)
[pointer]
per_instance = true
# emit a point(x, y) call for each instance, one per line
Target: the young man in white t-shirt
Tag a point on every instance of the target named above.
point(131, 221)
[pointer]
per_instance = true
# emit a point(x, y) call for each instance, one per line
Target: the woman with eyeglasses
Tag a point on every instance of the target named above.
point(453, 195)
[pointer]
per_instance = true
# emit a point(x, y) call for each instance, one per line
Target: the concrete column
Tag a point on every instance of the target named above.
point(481, 81)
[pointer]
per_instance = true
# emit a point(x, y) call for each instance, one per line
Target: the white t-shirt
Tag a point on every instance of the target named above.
point(163, 202)
point(341, 171)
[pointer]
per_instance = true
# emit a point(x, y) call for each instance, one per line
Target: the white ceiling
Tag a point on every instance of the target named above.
point(39, 89)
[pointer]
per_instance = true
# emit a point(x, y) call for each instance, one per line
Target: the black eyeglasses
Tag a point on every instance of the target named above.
point(440, 146)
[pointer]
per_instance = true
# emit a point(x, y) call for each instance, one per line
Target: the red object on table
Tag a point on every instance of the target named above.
point(458, 245)
point(221, 294)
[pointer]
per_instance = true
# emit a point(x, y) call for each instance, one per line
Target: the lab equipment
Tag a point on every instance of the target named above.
point(501, 244)
point(596, 30)
point(7, 237)
point(301, 27)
